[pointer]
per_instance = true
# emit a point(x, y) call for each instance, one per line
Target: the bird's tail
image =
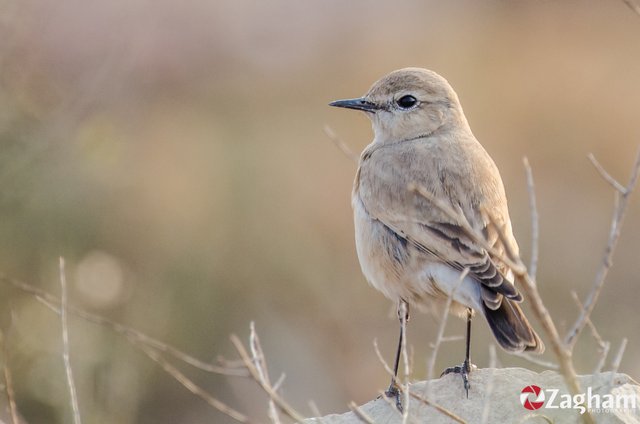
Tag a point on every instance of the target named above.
point(511, 328)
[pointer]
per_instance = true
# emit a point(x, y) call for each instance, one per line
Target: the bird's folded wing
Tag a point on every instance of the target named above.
point(434, 233)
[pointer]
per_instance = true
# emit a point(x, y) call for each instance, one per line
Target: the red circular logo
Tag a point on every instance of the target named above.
point(527, 402)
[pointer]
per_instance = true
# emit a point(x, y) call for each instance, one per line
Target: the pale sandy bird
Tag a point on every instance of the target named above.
point(410, 249)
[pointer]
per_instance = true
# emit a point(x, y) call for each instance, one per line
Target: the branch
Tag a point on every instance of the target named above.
point(559, 348)
point(535, 230)
point(279, 401)
point(65, 344)
point(443, 323)
point(341, 144)
point(602, 345)
point(386, 366)
point(537, 361)
point(614, 235)
point(261, 367)
point(8, 381)
point(362, 416)
point(633, 6)
point(193, 387)
point(517, 267)
point(134, 336)
point(617, 360)
point(604, 174)
point(172, 371)
point(438, 408)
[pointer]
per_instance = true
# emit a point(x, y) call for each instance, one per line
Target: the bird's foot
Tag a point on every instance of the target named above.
point(463, 369)
point(393, 392)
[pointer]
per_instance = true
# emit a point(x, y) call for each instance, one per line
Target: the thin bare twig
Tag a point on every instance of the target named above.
point(279, 382)
point(559, 349)
point(279, 401)
point(603, 346)
point(341, 144)
point(8, 381)
point(614, 235)
point(313, 407)
point(261, 367)
point(384, 363)
point(65, 344)
point(443, 323)
point(604, 352)
point(618, 358)
point(131, 334)
point(193, 387)
point(536, 361)
point(438, 408)
point(604, 174)
point(535, 229)
point(316, 412)
point(506, 242)
point(476, 237)
point(633, 6)
point(153, 353)
point(362, 416)
point(447, 339)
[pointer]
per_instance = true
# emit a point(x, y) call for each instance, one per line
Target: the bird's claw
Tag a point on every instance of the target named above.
point(393, 392)
point(463, 369)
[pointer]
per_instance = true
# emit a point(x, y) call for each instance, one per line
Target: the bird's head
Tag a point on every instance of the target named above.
point(408, 103)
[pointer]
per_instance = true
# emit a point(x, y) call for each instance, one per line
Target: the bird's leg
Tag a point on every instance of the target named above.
point(465, 368)
point(403, 317)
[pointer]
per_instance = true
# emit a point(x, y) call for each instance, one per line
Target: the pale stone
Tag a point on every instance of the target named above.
point(495, 397)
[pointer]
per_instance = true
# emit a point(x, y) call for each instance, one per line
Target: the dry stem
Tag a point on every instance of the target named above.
point(261, 367)
point(622, 195)
point(8, 380)
point(152, 353)
point(193, 387)
point(438, 408)
point(65, 344)
point(633, 6)
point(132, 335)
point(604, 346)
point(535, 228)
point(384, 363)
point(362, 416)
point(537, 361)
point(618, 358)
point(277, 399)
point(460, 220)
point(443, 324)
point(341, 144)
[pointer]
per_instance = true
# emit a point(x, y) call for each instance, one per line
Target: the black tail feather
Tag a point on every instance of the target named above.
point(511, 328)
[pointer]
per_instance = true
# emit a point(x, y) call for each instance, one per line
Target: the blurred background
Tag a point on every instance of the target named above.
point(174, 154)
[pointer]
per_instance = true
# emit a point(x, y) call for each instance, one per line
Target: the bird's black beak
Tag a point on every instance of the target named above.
point(358, 104)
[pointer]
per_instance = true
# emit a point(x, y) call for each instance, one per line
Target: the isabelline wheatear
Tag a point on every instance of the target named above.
point(423, 156)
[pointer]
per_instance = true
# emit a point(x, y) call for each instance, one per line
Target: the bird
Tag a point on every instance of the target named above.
point(431, 216)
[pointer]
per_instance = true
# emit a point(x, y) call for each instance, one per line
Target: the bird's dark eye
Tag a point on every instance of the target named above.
point(407, 102)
